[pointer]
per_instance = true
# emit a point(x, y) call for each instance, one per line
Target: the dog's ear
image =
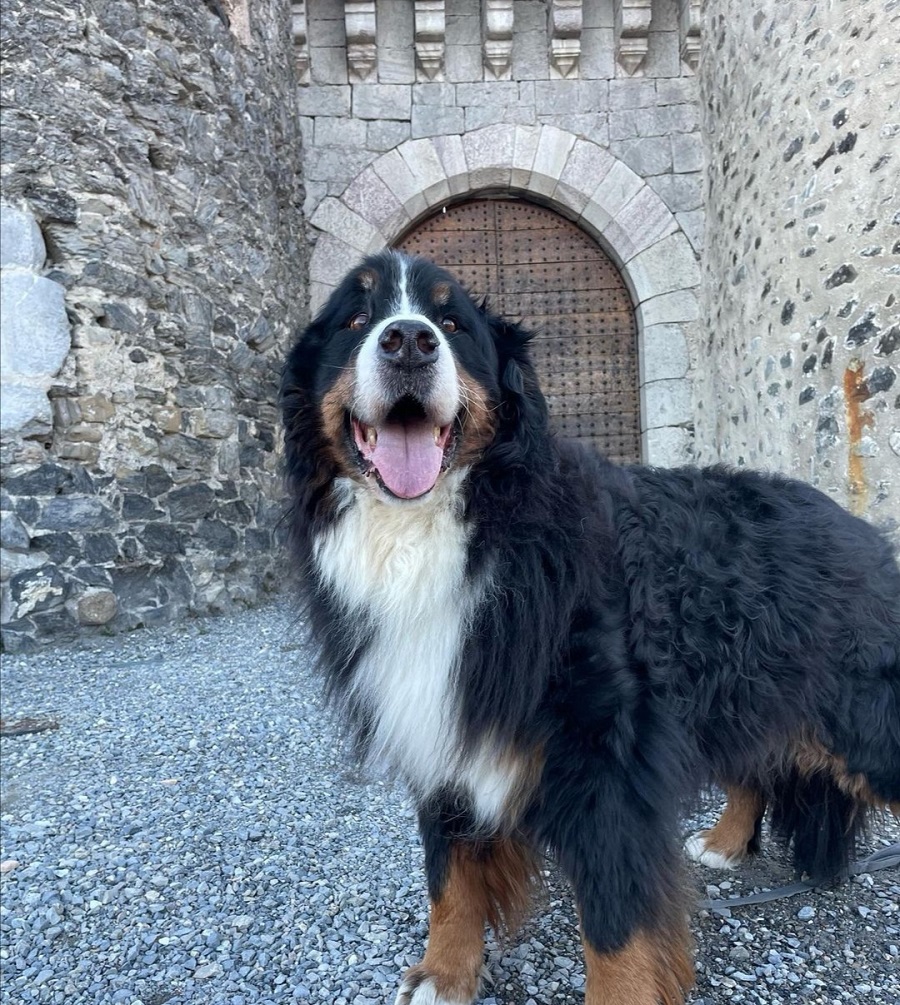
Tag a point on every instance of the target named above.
point(523, 410)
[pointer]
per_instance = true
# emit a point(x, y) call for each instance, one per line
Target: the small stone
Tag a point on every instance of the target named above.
point(97, 607)
point(806, 912)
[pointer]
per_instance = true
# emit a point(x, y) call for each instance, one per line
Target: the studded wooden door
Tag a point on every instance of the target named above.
point(536, 266)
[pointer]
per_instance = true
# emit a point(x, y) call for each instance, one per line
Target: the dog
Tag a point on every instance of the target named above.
point(557, 653)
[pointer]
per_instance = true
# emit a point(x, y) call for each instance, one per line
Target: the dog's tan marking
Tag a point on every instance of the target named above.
point(368, 279)
point(732, 835)
point(811, 757)
point(440, 294)
point(653, 968)
point(333, 410)
point(479, 424)
point(529, 767)
point(488, 882)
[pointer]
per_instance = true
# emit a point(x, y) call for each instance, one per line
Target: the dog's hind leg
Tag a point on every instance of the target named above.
point(483, 881)
point(735, 836)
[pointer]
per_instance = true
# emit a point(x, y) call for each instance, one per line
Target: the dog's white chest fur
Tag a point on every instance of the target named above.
point(400, 569)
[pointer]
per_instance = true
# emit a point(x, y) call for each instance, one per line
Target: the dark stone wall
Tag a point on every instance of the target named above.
point(158, 148)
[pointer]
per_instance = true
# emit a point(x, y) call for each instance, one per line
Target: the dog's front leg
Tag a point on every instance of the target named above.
point(450, 973)
point(608, 809)
point(473, 879)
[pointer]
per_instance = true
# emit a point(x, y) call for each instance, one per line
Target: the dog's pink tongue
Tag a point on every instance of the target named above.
point(407, 458)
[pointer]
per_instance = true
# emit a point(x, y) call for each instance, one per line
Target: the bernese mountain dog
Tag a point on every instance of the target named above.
point(556, 652)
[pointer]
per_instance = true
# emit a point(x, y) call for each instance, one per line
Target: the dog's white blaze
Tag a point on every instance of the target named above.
point(401, 568)
point(369, 402)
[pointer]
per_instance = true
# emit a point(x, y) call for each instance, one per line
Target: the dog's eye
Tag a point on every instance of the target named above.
point(358, 321)
point(449, 325)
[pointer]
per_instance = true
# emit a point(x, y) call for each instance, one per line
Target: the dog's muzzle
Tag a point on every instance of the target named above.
point(406, 405)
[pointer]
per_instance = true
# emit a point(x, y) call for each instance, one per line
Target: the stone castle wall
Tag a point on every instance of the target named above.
point(801, 291)
point(151, 185)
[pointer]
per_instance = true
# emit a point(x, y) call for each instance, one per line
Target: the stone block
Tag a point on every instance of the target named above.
point(428, 120)
point(629, 123)
point(370, 198)
point(664, 353)
point(336, 166)
point(632, 92)
point(530, 42)
point(396, 65)
point(395, 172)
point(463, 63)
point(668, 265)
point(423, 161)
point(328, 65)
point(678, 307)
point(663, 57)
point(34, 336)
point(335, 217)
point(491, 92)
point(14, 562)
point(434, 94)
point(589, 125)
point(453, 158)
point(586, 166)
point(694, 226)
point(332, 258)
point(324, 99)
point(21, 241)
point(646, 156)
point(13, 534)
point(37, 590)
point(25, 409)
point(616, 188)
point(678, 90)
point(687, 152)
point(597, 53)
point(387, 134)
point(96, 607)
point(570, 97)
point(326, 27)
point(332, 131)
point(680, 192)
point(553, 150)
point(666, 403)
point(640, 223)
point(488, 155)
point(463, 25)
point(479, 116)
point(382, 101)
point(74, 513)
point(525, 143)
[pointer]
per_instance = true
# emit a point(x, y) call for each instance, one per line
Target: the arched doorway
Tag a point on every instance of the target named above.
point(539, 267)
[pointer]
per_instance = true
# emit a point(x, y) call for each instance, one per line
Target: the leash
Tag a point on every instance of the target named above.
point(884, 858)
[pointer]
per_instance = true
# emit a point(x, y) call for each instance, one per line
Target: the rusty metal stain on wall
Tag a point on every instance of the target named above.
point(536, 266)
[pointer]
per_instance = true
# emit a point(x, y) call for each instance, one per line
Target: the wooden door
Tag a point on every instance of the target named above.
point(538, 267)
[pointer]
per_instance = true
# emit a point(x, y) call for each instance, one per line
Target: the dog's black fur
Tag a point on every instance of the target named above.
point(645, 631)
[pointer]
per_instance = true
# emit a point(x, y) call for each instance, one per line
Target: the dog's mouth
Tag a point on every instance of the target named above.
point(406, 451)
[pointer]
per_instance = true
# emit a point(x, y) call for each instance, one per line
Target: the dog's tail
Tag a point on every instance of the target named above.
point(821, 821)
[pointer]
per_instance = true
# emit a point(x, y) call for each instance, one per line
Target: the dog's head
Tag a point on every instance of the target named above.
point(402, 378)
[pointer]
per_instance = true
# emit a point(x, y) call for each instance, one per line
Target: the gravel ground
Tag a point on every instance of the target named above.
point(193, 832)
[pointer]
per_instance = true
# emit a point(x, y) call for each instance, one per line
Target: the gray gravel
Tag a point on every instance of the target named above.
point(193, 832)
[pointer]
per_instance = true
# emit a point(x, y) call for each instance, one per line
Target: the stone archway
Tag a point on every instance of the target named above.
point(579, 179)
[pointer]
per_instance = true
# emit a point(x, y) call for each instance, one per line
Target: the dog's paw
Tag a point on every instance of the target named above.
point(697, 848)
point(420, 987)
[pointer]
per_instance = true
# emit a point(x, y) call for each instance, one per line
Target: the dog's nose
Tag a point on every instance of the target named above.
point(408, 344)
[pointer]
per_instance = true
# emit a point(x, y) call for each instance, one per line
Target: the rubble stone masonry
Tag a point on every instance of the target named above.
point(801, 285)
point(153, 271)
